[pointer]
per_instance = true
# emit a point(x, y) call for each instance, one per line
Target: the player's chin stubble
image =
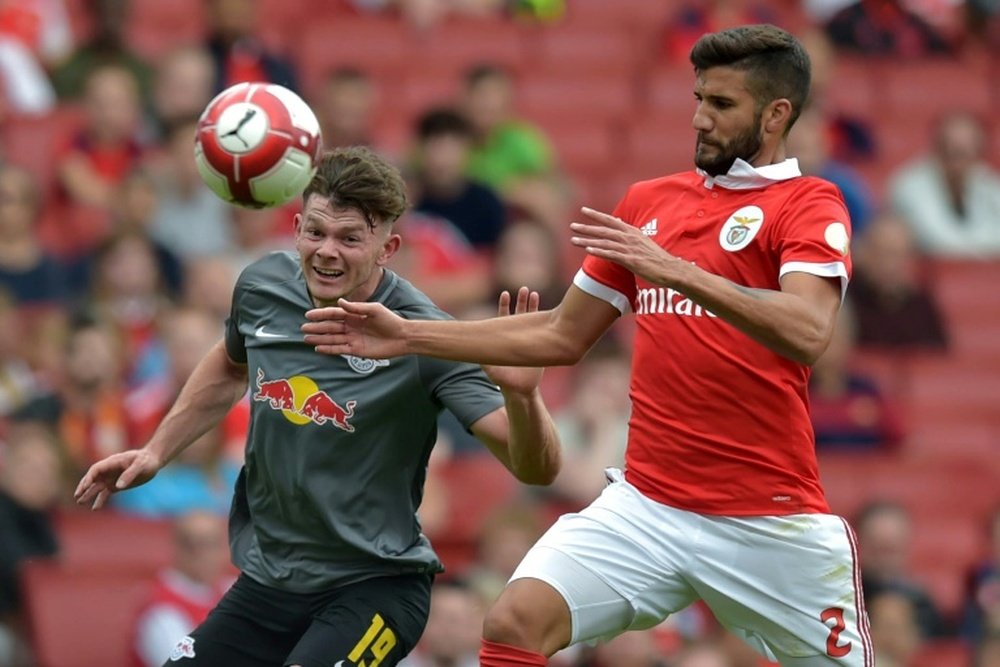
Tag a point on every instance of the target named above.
point(744, 146)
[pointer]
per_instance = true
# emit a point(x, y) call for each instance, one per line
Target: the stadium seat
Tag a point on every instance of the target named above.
point(592, 49)
point(459, 44)
point(581, 96)
point(853, 88)
point(154, 27)
point(80, 617)
point(957, 85)
point(647, 16)
point(659, 144)
point(110, 539)
point(31, 142)
point(582, 146)
point(943, 653)
point(379, 46)
point(475, 484)
point(670, 88)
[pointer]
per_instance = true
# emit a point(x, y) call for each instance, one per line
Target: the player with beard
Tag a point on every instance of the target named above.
point(735, 272)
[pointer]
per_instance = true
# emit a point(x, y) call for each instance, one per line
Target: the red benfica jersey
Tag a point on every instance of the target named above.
point(720, 424)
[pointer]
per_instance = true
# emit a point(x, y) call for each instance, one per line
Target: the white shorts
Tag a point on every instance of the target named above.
point(788, 585)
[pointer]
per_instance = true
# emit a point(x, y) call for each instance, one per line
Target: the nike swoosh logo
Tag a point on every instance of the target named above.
point(260, 333)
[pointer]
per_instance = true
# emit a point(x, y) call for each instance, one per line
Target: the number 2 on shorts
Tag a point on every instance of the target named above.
point(380, 643)
point(833, 648)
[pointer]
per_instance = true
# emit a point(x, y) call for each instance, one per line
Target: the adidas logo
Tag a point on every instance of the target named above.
point(649, 229)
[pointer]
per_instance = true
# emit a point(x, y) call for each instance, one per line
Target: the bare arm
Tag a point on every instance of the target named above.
point(795, 322)
point(546, 338)
point(522, 434)
point(211, 391)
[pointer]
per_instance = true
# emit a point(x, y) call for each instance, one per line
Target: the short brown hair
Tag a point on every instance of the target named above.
point(359, 178)
point(776, 63)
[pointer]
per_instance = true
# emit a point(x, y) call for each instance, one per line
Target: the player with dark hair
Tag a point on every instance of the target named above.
point(334, 567)
point(735, 273)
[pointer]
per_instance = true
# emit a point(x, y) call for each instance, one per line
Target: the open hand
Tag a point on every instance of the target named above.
point(521, 380)
point(124, 470)
point(361, 329)
point(613, 239)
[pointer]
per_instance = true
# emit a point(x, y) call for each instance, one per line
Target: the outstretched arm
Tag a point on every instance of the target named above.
point(211, 391)
point(795, 322)
point(555, 337)
point(521, 434)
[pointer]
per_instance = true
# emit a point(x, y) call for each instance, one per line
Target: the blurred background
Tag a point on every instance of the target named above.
point(117, 264)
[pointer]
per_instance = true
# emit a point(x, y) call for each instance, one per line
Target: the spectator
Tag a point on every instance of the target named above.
point(440, 261)
point(636, 649)
point(87, 405)
point(183, 87)
point(444, 142)
point(884, 536)
point(137, 208)
point(25, 87)
point(951, 197)
point(847, 408)
point(190, 220)
point(850, 138)
point(506, 149)
point(895, 630)
point(895, 309)
point(106, 46)
point(42, 26)
point(201, 478)
point(810, 142)
point(185, 334)
point(451, 637)
point(97, 159)
point(528, 253)
point(238, 53)
point(28, 272)
point(18, 381)
point(988, 651)
point(345, 107)
point(30, 485)
point(981, 615)
point(884, 28)
point(128, 290)
point(208, 286)
point(594, 425)
point(504, 538)
point(183, 594)
point(694, 19)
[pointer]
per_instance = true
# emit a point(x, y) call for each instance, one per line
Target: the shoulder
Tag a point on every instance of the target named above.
point(272, 268)
point(403, 298)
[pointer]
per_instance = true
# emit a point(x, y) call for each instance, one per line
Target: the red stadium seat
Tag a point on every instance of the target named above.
point(110, 539)
point(581, 96)
point(670, 88)
point(458, 44)
point(592, 49)
point(32, 142)
point(926, 89)
point(155, 27)
point(943, 653)
point(853, 88)
point(80, 617)
point(660, 144)
point(379, 46)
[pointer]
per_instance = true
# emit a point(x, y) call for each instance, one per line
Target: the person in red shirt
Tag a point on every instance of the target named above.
point(182, 595)
point(735, 272)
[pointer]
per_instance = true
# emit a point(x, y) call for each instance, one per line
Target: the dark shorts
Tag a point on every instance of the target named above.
point(373, 622)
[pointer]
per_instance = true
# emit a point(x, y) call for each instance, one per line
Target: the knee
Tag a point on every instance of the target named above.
point(536, 622)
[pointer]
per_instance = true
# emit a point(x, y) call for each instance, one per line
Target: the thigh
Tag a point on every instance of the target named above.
point(790, 584)
point(375, 623)
point(252, 626)
point(617, 564)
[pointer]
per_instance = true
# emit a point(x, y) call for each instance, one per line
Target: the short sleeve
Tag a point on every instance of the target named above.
point(605, 279)
point(463, 389)
point(235, 343)
point(814, 234)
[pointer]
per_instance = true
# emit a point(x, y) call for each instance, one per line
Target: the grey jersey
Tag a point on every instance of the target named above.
point(337, 450)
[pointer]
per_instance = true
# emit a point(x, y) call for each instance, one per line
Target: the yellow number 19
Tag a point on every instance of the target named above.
point(380, 643)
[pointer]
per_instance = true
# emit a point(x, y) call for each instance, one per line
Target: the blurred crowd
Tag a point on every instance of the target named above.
point(117, 264)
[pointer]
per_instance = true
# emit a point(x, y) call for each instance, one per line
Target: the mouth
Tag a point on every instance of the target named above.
point(328, 274)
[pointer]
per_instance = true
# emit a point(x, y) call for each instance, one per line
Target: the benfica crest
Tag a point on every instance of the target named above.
point(741, 228)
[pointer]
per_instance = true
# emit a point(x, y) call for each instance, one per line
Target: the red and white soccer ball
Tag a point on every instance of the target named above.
point(257, 145)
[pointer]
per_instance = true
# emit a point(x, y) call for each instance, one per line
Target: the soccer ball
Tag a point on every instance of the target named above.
point(257, 145)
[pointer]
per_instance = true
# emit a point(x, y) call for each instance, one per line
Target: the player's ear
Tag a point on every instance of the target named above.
point(389, 248)
point(776, 116)
point(296, 223)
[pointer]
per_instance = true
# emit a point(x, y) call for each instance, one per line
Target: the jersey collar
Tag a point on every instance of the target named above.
point(744, 176)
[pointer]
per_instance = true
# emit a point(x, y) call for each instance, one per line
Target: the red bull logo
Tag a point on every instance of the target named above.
point(301, 401)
